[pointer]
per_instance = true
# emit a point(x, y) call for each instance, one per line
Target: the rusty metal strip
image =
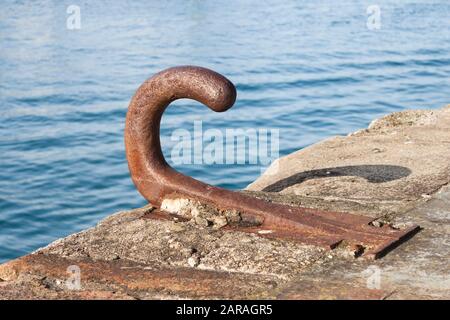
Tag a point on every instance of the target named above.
point(156, 180)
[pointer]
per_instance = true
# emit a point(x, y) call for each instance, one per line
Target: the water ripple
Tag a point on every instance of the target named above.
point(309, 69)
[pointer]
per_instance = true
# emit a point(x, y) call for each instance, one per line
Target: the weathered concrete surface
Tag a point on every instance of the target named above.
point(418, 269)
point(134, 256)
point(395, 170)
point(397, 162)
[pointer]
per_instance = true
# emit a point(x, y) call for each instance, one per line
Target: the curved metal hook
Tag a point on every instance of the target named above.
point(156, 180)
point(151, 174)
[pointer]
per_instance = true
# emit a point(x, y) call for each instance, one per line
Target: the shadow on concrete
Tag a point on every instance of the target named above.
point(372, 173)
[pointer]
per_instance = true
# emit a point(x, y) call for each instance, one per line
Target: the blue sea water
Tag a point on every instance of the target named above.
point(311, 69)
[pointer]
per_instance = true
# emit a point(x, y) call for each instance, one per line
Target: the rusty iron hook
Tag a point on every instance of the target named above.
point(156, 180)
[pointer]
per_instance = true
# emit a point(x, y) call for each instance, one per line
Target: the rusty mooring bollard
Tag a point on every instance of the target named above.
point(157, 181)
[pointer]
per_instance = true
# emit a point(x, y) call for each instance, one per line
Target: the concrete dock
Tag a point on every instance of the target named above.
point(397, 170)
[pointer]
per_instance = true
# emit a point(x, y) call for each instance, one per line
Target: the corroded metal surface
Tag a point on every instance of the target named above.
point(157, 181)
point(120, 279)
